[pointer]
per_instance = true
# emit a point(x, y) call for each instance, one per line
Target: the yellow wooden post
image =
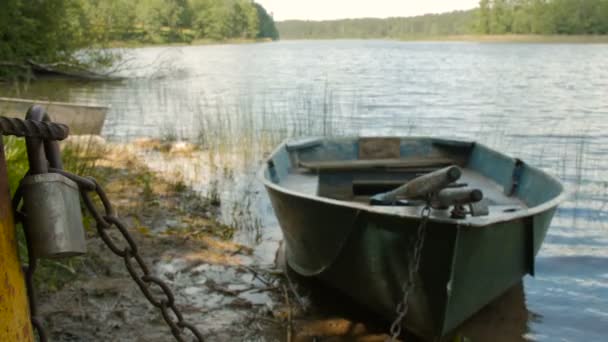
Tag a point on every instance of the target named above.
point(14, 311)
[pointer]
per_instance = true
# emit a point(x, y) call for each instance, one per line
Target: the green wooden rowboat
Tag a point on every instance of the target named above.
point(323, 193)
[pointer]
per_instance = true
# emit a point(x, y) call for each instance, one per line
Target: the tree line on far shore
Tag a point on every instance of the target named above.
point(458, 22)
point(545, 17)
point(161, 21)
point(542, 17)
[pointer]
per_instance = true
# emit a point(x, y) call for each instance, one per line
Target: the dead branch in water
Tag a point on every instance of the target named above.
point(293, 289)
point(69, 69)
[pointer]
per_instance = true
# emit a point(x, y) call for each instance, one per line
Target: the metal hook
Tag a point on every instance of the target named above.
point(41, 153)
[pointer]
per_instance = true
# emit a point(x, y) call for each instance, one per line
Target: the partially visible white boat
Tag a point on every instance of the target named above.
point(81, 118)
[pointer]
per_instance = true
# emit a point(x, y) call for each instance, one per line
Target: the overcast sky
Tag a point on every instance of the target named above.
point(335, 9)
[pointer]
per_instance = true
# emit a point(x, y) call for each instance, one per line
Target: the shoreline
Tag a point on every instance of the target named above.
point(197, 42)
point(520, 38)
point(472, 38)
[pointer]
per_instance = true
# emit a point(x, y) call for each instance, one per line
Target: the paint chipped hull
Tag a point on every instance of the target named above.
point(363, 250)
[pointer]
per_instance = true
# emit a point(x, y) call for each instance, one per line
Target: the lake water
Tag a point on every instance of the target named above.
point(544, 103)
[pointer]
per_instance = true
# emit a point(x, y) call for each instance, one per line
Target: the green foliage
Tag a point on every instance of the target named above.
point(164, 21)
point(16, 159)
point(267, 27)
point(43, 31)
point(221, 19)
point(543, 16)
point(65, 34)
point(56, 31)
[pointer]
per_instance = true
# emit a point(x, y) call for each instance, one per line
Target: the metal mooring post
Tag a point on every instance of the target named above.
point(14, 310)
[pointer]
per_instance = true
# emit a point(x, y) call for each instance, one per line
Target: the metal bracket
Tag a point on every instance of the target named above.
point(517, 171)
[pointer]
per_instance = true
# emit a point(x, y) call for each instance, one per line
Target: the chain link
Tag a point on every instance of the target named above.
point(134, 263)
point(408, 286)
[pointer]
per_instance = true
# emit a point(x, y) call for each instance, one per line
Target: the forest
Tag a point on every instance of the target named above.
point(542, 17)
point(158, 21)
point(458, 22)
point(48, 31)
point(546, 17)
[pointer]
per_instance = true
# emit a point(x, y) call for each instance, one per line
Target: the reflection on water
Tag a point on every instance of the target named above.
point(544, 103)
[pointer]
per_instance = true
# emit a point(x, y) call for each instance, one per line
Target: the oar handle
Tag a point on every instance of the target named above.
point(423, 186)
point(449, 197)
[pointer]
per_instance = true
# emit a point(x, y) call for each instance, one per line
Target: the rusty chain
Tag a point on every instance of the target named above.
point(136, 266)
point(409, 285)
point(130, 254)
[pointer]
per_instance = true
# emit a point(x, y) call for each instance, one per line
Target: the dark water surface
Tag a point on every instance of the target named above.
point(544, 103)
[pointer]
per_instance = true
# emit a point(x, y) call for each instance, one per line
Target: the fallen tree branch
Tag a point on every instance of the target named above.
point(68, 69)
point(289, 315)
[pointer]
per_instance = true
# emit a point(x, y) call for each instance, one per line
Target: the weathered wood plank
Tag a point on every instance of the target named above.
point(349, 165)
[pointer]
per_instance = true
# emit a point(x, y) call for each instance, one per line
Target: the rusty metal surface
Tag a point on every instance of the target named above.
point(14, 313)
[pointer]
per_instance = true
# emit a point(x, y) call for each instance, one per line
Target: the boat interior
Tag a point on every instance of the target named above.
point(358, 170)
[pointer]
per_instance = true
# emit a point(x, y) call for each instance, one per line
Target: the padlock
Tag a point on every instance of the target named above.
point(53, 216)
point(51, 202)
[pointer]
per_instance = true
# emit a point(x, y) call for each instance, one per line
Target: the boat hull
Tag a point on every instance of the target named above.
point(365, 252)
point(462, 268)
